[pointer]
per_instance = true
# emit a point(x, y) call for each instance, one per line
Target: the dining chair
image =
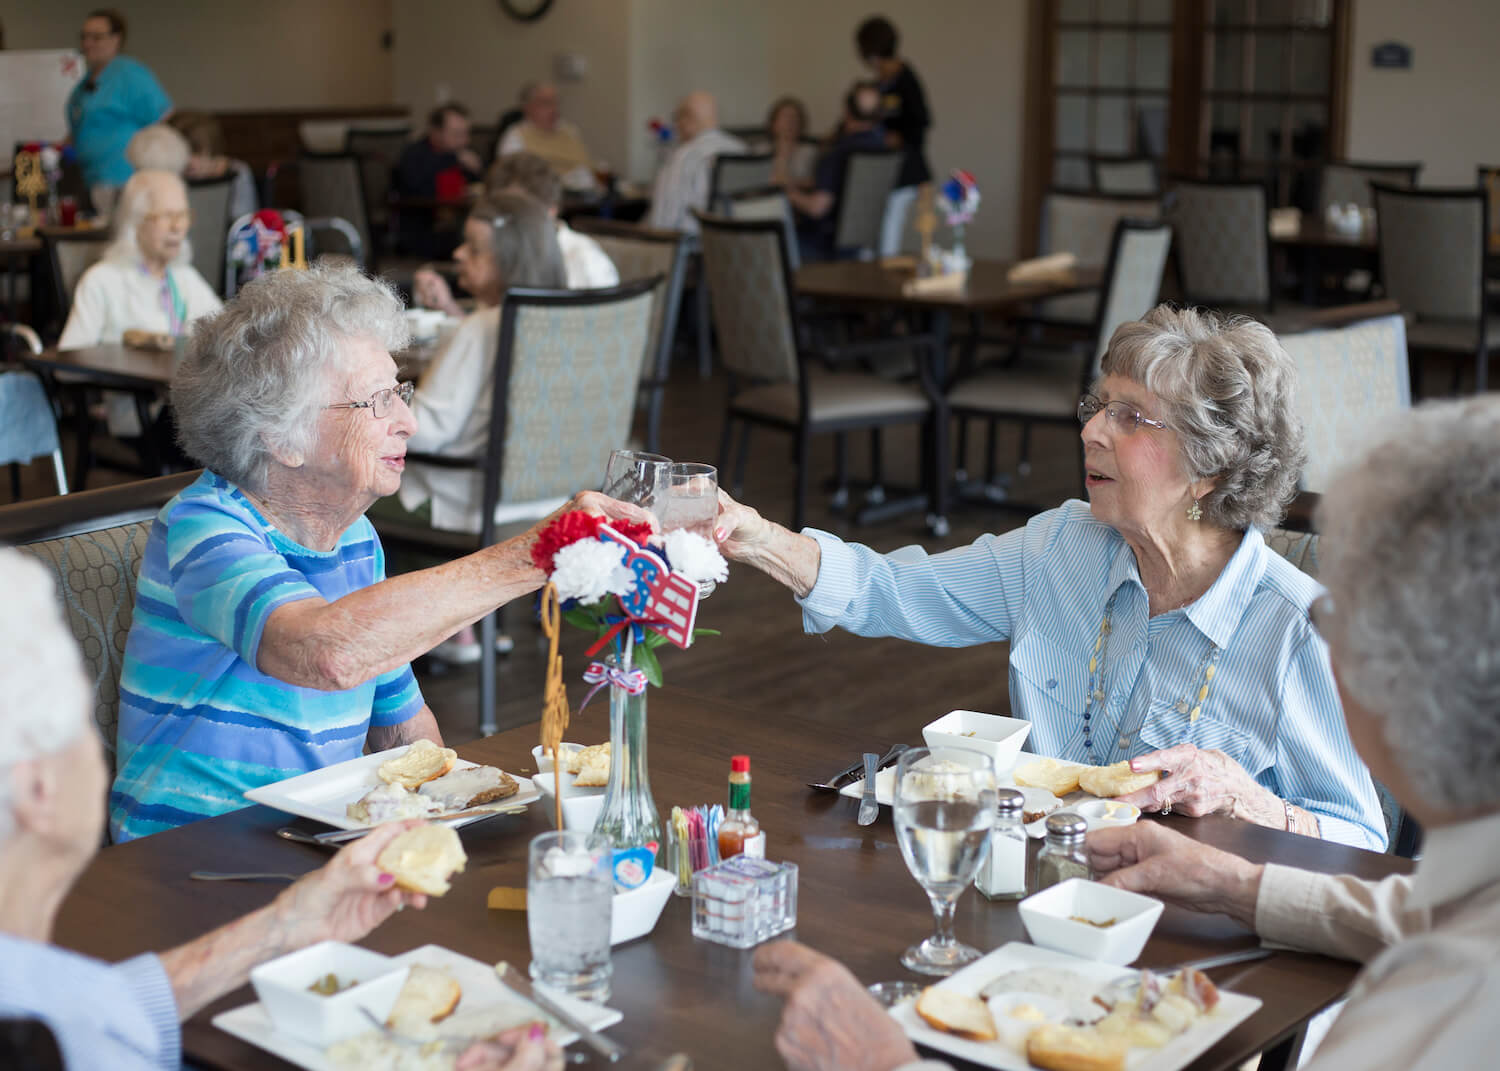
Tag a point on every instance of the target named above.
point(378, 151)
point(333, 186)
point(484, 140)
point(1126, 176)
point(1043, 386)
point(1223, 243)
point(776, 379)
point(1432, 245)
point(69, 256)
point(869, 178)
point(563, 389)
point(236, 274)
point(641, 252)
point(1084, 225)
point(1347, 182)
point(768, 203)
point(331, 236)
point(92, 542)
point(208, 200)
point(733, 173)
point(28, 418)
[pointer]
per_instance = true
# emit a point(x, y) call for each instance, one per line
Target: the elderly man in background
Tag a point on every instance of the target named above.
point(1410, 538)
point(683, 182)
point(436, 167)
point(126, 1016)
point(543, 132)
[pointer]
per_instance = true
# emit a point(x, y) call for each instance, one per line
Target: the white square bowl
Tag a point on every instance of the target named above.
point(634, 913)
point(998, 737)
point(1048, 917)
point(581, 806)
point(282, 987)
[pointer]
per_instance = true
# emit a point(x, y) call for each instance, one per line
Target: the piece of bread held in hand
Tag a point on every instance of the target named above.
point(1058, 778)
point(423, 761)
point(422, 860)
point(1058, 1047)
point(428, 996)
point(956, 1013)
point(1119, 779)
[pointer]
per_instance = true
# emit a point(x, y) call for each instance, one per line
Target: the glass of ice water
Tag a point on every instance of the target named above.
point(690, 500)
point(569, 900)
point(636, 477)
point(944, 810)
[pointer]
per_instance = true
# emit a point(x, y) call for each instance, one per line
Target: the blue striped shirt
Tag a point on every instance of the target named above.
point(121, 1016)
point(199, 722)
point(1272, 707)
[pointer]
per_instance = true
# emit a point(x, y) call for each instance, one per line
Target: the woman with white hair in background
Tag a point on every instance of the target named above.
point(159, 147)
point(266, 640)
point(127, 1016)
point(1152, 624)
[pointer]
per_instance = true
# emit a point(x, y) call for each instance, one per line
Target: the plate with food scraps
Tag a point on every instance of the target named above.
point(1026, 988)
point(325, 795)
point(485, 1007)
point(1039, 801)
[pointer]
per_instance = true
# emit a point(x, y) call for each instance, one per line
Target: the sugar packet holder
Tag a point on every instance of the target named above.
point(692, 843)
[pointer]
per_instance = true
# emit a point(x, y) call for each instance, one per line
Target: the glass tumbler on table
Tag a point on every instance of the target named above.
point(636, 477)
point(690, 500)
point(944, 811)
point(569, 904)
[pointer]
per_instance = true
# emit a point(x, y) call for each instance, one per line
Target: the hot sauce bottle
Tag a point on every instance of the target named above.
point(740, 833)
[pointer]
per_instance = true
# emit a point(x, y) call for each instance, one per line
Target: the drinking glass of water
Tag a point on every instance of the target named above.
point(569, 899)
point(636, 477)
point(944, 809)
point(690, 500)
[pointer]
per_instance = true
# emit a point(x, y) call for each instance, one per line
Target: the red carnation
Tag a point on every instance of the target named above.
point(569, 528)
point(637, 531)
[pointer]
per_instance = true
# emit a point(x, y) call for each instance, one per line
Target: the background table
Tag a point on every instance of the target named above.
point(856, 899)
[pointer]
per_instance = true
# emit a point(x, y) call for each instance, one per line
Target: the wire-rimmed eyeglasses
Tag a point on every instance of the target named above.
point(379, 403)
point(1122, 417)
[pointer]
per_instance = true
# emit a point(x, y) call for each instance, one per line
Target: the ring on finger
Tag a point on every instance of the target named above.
point(1166, 808)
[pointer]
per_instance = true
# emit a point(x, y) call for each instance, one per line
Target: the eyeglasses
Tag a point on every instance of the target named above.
point(89, 35)
point(1122, 417)
point(379, 404)
point(182, 216)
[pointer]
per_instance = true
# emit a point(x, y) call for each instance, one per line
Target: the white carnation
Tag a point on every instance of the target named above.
point(695, 557)
point(591, 569)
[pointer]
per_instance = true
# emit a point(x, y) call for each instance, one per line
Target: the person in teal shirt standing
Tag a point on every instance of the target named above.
point(117, 97)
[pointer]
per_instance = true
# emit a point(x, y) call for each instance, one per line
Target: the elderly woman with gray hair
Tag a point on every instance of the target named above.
point(1152, 624)
point(267, 640)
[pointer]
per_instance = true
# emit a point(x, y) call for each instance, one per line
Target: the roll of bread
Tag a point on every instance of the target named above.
point(956, 1013)
point(423, 859)
point(1058, 778)
point(592, 766)
point(423, 761)
point(1058, 1047)
point(428, 996)
point(1119, 779)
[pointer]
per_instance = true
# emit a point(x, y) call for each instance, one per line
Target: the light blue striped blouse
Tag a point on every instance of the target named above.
point(1272, 707)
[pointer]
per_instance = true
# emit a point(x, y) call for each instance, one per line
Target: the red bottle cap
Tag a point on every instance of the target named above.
point(739, 764)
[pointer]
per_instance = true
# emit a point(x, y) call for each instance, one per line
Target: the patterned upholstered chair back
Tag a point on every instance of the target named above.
point(868, 181)
point(746, 267)
point(1084, 225)
point(1432, 246)
point(1133, 177)
point(1299, 548)
point(72, 256)
point(1348, 381)
point(333, 185)
point(1133, 286)
point(1347, 183)
point(772, 205)
point(1223, 246)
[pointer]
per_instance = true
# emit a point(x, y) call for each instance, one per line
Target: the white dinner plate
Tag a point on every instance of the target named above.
point(482, 992)
point(322, 795)
point(1232, 1009)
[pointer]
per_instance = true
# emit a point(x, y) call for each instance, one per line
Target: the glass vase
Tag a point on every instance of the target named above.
point(628, 815)
point(959, 258)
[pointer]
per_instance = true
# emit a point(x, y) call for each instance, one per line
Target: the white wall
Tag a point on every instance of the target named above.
point(221, 56)
point(1443, 109)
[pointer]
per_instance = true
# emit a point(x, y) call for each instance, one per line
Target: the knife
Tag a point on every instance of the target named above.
point(522, 985)
point(869, 810)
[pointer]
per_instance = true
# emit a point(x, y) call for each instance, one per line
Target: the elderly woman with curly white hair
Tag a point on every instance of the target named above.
point(1151, 624)
point(267, 640)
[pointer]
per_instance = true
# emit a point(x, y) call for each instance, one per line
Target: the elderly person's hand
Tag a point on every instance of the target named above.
point(524, 1048)
point(1149, 858)
point(745, 536)
point(830, 1021)
point(431, 291)
point(740, 530)
point(1201, 781)
point(348, 896)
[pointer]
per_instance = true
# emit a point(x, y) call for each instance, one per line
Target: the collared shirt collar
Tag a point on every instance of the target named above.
point(1456, 860)
point(1217, 612)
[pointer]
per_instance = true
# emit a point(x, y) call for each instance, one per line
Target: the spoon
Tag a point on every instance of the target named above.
point(219, 875)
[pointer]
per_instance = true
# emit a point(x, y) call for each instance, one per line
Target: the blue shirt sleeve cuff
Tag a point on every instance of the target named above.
point(829, 599)
point(146, 979)
point(1343, 831)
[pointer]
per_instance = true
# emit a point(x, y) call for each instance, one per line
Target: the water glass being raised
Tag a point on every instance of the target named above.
point(690, 500)
point(569, 905)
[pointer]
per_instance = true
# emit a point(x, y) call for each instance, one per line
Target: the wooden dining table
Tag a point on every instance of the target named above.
point(856, 899)
point(111, 365)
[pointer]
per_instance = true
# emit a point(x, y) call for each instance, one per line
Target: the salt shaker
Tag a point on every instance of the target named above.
point(1063, 855)
point(1003, 876)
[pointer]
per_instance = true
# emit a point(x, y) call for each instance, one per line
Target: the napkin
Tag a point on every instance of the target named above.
point(1043, 269)
point(951, 282)
point(1285, 222)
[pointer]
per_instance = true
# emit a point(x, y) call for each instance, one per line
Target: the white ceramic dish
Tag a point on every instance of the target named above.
point(482, 992)
point(282, 986)
point(1102, 814)
point(885, 786)
point(634, 913)
point(323, 794)
point(1181, 1051)
point(998, 737)
point(1048, 918)
point(581, 806)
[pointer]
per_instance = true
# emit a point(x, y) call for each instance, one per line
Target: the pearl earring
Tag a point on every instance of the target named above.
point(1194, 511)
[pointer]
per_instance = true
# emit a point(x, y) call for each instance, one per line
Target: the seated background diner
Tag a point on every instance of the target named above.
point(817, 207)
point(1412, 611)
point(793, 159)
point(1152, 623)
point(158, 147)
point(588, 267)
point(207, 160)
point(267, 641)
point(683, 182)
point(435, 167)
point(542, 131)
point(127, 1016)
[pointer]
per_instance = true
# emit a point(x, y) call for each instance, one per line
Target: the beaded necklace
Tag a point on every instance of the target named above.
point(1094, 699)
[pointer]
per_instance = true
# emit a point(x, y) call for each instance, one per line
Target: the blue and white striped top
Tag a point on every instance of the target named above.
point(1273, 707)
point(199, 722)
point(121, 1016)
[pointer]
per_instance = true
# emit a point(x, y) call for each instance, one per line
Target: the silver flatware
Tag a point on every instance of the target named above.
point(219, 875)
point(855, 770)
point(470, 817)
point(869, 810)
point(522, 985)
point(289, 833)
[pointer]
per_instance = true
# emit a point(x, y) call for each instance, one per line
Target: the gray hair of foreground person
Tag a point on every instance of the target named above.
point(44, 704)
point(1410, 553)
point(258, 372)
point(1229, 391)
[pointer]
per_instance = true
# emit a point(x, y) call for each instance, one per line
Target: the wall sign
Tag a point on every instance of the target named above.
point(1391, 54)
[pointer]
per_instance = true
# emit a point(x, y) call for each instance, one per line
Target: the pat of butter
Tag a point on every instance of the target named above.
point(507, 898)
